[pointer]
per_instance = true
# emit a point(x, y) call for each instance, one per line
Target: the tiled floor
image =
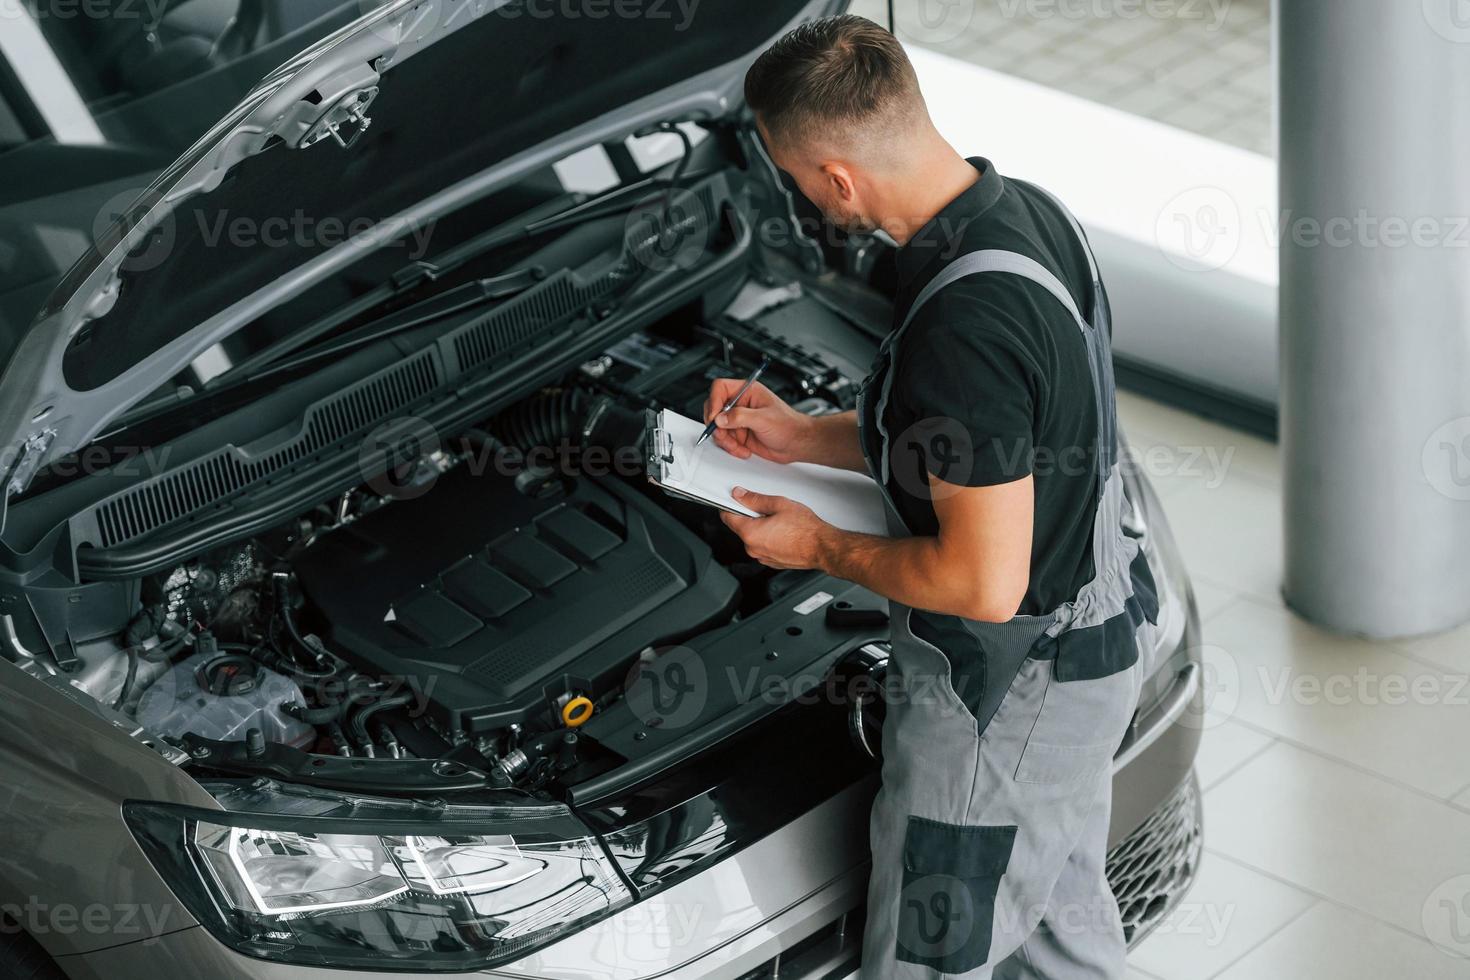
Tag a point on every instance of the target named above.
point(1200, 65)
point(1337, 781)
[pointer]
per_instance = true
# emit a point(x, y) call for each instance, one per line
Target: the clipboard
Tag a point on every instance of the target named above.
point(661, 468)
point(707, 474)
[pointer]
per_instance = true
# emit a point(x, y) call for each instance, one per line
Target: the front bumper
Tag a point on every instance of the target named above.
point(790, 903)
point(725, 923)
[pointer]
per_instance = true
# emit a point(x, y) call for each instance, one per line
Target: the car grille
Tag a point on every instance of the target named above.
point(1152, 869)
point(831, 953)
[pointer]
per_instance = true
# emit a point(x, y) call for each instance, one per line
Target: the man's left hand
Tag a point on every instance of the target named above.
point(789, 536)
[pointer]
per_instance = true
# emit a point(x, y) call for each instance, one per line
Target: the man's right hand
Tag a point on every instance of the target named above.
point(760, 425)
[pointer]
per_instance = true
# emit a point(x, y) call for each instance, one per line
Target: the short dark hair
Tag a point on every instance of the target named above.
point(834, 70)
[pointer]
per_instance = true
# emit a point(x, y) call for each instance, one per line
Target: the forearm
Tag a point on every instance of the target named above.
point(832, 440)
point(916, 572)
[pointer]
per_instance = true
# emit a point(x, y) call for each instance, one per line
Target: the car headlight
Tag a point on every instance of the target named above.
point(314, 879)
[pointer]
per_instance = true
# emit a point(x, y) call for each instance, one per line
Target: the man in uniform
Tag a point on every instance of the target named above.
point(1018, 605)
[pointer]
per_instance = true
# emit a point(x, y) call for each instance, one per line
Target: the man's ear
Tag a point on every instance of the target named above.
point(841, 180)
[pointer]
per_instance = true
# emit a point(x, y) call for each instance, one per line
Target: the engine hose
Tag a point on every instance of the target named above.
point(359, 723)
point(569, 415)
point(280, 582)
point(339, 740)
point(136, 654)
point(546, 419)
point(273, 659)
point(331, 714)
point(132, 675)
point(145, 626)
point(389, 741)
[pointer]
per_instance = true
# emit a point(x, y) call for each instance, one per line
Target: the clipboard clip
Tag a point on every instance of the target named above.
point(660, 447)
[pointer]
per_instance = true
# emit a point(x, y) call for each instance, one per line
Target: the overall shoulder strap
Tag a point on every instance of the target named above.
point(977, 263)
point(1076, 228)
point(997, 260)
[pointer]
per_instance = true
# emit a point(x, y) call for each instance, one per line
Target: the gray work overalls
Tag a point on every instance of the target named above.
point(990, 830)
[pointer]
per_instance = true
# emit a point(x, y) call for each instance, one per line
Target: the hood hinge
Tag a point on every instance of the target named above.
point(341, 113)
point(27, 461)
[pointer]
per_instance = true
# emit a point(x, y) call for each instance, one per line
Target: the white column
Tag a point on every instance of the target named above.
point(1375, 311)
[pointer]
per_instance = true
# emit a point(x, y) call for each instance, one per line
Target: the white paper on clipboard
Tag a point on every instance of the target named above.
point(708, 474)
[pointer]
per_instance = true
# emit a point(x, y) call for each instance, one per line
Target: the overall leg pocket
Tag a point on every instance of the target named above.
point(1079, 729)
point(951, 875)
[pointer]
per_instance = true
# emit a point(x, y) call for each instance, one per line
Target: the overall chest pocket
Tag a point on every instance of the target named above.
point(1080, 727)
point(951, 876)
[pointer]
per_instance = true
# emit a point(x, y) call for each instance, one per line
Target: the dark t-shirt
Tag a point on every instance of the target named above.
point(992, 381)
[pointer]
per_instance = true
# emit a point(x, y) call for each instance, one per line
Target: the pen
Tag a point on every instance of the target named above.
point(755, 376)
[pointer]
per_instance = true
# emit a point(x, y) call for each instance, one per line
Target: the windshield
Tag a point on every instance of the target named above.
point(97, 97)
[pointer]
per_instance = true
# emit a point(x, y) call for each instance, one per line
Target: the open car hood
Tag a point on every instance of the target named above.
point(411, 111)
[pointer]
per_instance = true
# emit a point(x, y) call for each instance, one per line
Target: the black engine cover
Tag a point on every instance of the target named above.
point(491, 603)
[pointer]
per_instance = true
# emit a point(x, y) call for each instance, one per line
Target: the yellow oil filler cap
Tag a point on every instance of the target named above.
point(576, 712)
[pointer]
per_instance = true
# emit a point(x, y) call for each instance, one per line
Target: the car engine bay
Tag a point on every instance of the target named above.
point(513, 598)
